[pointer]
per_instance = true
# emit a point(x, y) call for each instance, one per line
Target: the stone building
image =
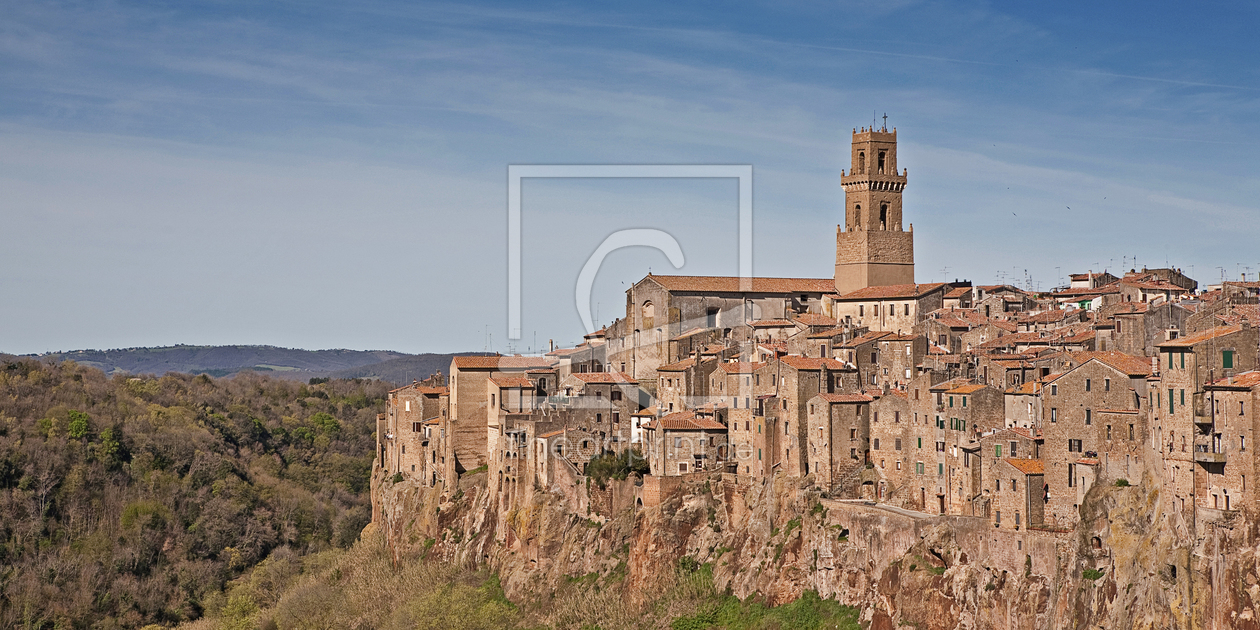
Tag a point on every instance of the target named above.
point(1074, 431)
point(402, 440)
point(470, 402)
point(1225, 447)
point(660, 308)
point(872, 249)
point(892, 308)
point(686, 442)
point(838, 445)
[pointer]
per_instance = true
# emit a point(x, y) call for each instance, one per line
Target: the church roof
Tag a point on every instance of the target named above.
point(892, 292)
point(731, 284)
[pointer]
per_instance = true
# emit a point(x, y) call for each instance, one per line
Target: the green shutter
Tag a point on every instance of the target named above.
point(997, 450)
point(1227, 359)
point(1170, 360)
point(1183, 360)
point(920, 442)
point(1170, 400)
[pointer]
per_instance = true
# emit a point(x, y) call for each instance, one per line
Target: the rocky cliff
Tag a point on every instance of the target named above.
point(1128, 564)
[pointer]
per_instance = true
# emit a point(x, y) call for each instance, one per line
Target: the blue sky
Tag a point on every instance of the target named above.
point(334, 174)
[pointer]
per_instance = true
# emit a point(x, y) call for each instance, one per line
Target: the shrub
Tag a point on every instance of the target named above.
point(1122, 483)
point(1091, 574)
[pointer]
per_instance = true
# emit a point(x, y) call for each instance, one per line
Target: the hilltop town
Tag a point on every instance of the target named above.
point(992, 403)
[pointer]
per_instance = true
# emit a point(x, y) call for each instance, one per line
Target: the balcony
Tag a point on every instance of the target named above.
point(1203, 454)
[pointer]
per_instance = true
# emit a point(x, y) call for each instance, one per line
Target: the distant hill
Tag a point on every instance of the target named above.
point(386, 365)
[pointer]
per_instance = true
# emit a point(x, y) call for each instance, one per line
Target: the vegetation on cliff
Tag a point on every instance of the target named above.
point(133, 500)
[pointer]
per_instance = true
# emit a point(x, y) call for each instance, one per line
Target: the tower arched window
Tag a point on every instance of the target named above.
point(882, 155)
point(861, 165)
point(883, 216)
point(649, 314)
point(857, 215)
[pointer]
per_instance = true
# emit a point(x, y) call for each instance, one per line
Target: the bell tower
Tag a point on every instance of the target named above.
point(872, 249)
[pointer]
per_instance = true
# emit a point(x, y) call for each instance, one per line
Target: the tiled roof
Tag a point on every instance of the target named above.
point(685, 421)
point(730, 284)
point(739, 367)
point(811, 363)
point(678, 366)
point(499, 363)
point(966, 389)
point(814, 319)
point(1044, 317)
point(691, 333)
point(824, 334)
point(1027, 466)
point(867, 338)
point(604, 377)
point(891, 292)
point(950, 384)
point(958, 292)
point(1186, 342)
point(1246, 379)
point(512, 381)
point(846, 398)
point(770, 323)
point(423, 389)
point(1127, 363)
point(1025, 389)
point(1129, 308)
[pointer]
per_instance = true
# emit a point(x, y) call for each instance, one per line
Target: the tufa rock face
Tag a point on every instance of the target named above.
point(774, 540)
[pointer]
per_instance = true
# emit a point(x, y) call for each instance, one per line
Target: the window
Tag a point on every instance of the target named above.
point(1013, 446)
point(881, 162)
point(940, 470)
point(852, 433)
point(1227, 359)
point(997, 485)
point(951, 401)
point(491, 400)
point(896, 417)
point(899, 467)
point(1054, 389)
point(997, 450)
point(599, 418)
point(682, 467)
point(1171, 402)
point(1183, 397)
point(861, 310)
point(920, 442)
point(1054, 414)
point(1109, 432)
point(875, 417)
point(897, 444)
point(1242, 442)
point(1088, 384)
point(615, 395)
point(1071, 475)
point(407, 404)
point(1015, 488)
point(918, 467)
point(997, 516)
point(1074, 446)
point(415, 427)
point(616, 417)
point(1106, 384)
point(1183, 359)
point(1089, 417)
point(877, 444)
point(964, 402)
point(677, 442)
point(1130, 432)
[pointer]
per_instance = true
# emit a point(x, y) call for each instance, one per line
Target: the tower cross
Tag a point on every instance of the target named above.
point(885, 121)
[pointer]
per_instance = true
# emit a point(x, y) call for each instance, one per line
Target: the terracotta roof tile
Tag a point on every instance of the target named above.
point(499, 363)
point(958, 292)
point(846, 398)
point(1186, 342)
point(771, 323)
point(1127, 363)
point(966, 389)
point(604, 377)
point(685, 421)
point(811, 363)
point(1027, 466)
point(512, 382)
point(892, 292)
point(731, 284)
point(814, 319)
point(1246, 379)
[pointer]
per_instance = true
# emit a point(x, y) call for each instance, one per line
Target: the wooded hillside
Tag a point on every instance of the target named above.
point(129, 501)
